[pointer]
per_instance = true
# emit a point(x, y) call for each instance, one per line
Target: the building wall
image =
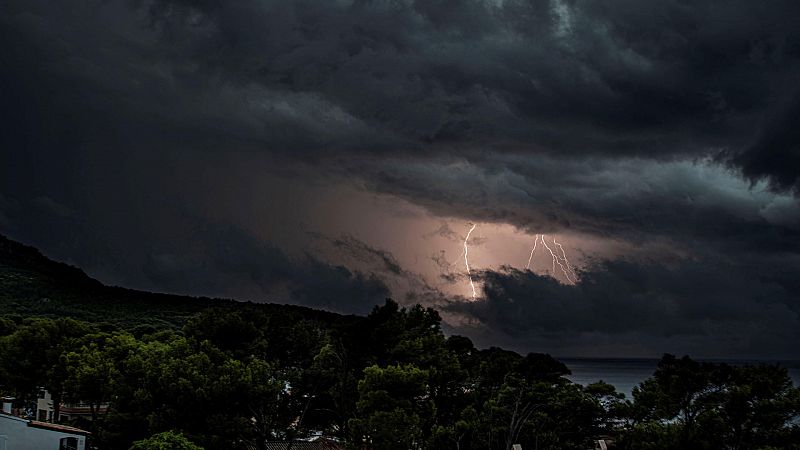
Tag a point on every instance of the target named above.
point(19, 436)
point(44, 407)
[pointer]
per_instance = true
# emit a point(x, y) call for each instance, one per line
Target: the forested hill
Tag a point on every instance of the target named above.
point(237, 376)
point(32, 284)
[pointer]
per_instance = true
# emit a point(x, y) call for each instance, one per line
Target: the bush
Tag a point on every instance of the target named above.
point(168, 440)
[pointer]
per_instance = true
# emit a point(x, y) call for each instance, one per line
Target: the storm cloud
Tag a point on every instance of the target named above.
point(703, 307)
point(209, 147)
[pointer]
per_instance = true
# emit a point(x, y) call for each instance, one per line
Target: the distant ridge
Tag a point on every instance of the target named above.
point(24, 258)
point(32, 284)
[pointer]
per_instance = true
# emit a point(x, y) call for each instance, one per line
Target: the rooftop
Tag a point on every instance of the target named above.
point(47, 426)
point(57, 427)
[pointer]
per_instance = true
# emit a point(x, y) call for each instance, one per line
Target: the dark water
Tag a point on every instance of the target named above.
point(624, 373)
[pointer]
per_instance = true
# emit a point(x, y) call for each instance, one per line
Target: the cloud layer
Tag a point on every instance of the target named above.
point(203, 146)
point(709, 308)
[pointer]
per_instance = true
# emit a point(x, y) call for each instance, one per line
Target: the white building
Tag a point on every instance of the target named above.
point(44, 406)
point(17, 433)
point(69, 411)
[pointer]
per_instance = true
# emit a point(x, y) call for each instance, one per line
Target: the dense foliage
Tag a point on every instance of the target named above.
point(167, 440)
point(238, 378)
point(180, 372)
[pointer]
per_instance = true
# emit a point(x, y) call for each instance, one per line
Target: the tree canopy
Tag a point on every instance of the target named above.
point(238, 378)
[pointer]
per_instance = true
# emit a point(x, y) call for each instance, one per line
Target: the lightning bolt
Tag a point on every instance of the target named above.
point(466, 261)
point(564, 257)
point(557, 260)
point(551, 254)
point(566, 266)
point(528, 266)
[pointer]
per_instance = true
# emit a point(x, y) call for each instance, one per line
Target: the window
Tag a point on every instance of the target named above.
point(68, 443)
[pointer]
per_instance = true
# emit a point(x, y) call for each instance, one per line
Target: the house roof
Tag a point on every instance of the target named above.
point(47, 426)
point(12, 417)
point(57, 427)
point(322, 444)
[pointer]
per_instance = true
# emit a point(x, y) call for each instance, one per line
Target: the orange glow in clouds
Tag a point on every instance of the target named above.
point(561, 260)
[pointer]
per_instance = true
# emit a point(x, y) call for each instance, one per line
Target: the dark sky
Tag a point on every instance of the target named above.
point(334, 153)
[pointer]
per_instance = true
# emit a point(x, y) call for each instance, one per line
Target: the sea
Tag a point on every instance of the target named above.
point(626, 373)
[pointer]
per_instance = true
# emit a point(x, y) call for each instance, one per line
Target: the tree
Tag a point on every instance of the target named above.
point(456, 434)
point(30, 357)
point(92, 368)
point(334, 372)
point(680, 390)
point(394, 412)
point(515, 404)
point(7, 326)
point(268, 402)
point(227, 330)
point(611, 407)
point(695, 405)
point(759, 407)
point(168, 383)
point(168, 440)
point(535, 406)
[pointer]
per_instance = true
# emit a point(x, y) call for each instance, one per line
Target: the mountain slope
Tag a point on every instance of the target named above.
point(32, 284)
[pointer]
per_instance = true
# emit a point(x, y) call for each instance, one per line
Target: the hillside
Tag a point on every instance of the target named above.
point(391, 379)
point(32, 284)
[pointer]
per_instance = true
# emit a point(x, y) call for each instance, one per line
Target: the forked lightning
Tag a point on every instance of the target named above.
point(566, 267)
point(466, 261)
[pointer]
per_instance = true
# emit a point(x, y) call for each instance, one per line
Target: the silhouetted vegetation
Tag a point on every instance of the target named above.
point(237, 375)
point(239, 378)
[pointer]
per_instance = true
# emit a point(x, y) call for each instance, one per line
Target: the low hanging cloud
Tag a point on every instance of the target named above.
point(632, 199)
point(226, 259)
point(704, 308)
